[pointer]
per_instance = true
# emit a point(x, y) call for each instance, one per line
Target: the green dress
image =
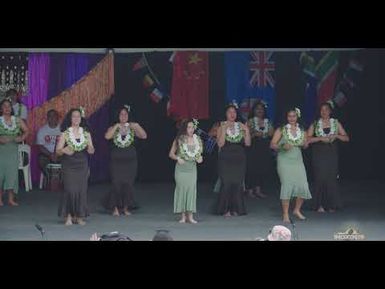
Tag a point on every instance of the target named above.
point(9, 164)
point(185, 193)
point(291, 171)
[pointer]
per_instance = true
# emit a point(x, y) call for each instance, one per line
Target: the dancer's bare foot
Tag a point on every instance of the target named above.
point(13, 203)
point(249, 193)
point(68, 222)
point(286, 219)
point(227, 215)
point(235, 214)
point(81, 222)
point(183, 220)
point(115, 213)
point(127, 213)
point(321, 210)
point(192, 221)
point(11, 199)
point(299, 215)
point(258, 193)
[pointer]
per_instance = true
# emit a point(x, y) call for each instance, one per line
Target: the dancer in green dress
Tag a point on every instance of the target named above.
point(288, 141)
point(12, 131)
point(186, 150)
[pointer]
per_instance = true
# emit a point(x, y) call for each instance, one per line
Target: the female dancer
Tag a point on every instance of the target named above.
point(74, 144)
point(323, 134)
point(288, 140)
point(231, 138)
point(186, 150)
point(259, 157)
point(12, 131)
point(123, 164)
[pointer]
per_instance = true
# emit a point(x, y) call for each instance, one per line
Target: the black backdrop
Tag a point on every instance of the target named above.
point(362, 116)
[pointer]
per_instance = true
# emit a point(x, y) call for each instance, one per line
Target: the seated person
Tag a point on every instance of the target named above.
point(46, 140)
point(19, 109)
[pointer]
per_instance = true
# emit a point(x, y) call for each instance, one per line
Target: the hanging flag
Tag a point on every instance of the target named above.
point(327, 74)
point(141, 63)
point(348, 82)
point(320, 70)
point(249, 76)
point(189, 96)
point(147, 81)
point(156, 95)
point(308, 65)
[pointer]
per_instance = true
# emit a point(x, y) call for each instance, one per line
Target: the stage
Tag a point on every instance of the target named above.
point(364, 210)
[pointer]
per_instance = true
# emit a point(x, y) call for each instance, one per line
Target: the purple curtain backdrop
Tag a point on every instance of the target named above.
point(38, 75)
point(49, 75)
point(68, 68)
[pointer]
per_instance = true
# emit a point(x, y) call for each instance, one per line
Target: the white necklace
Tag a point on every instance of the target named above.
point(8, 127)
point(333, 128)
point(197, 150)
point(258, 128)
point(128, 139)
point(299, 135)
point(72, 140)
point(234, 135)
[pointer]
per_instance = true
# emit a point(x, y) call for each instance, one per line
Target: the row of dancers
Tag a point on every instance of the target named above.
point(237, 167)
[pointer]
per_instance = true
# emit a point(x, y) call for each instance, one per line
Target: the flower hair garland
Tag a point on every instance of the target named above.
point(82, 111)
point(234, 103)
point(331, 103)
point(127, 107)
point(8, 99)
point(298, 111)
point(264, 103)
point(195, 123)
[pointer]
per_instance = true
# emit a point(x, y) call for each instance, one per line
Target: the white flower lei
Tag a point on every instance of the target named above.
point(118, 140)
point(265, 124)
point(333, 128)
point(294, 140)
point(12, 129)
point(191, 155)
point(236, 136)
point(71, 139)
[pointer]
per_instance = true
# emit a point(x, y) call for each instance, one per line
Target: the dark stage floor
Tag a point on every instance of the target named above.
point(364, 210)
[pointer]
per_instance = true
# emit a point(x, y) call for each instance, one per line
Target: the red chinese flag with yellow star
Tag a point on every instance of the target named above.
point(190, 86)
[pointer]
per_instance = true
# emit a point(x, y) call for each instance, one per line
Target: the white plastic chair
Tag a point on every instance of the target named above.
point(26, 149)
point(43, 180)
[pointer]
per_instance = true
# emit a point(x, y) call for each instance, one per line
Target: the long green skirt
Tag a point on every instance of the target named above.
point(9, 167)
point(185, 194)
point(292, 174)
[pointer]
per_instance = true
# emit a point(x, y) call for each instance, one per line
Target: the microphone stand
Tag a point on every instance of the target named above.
point(41, 230)
point(295, 234)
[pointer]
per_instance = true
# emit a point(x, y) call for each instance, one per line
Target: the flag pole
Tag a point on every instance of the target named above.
point(149, 69)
